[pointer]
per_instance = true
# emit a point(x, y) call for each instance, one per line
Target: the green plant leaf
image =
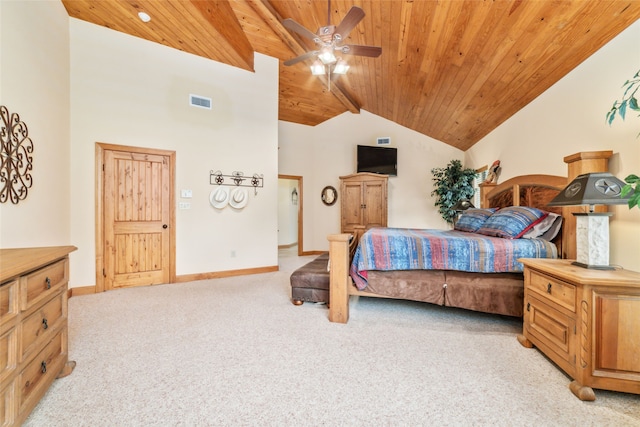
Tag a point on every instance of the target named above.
point(635, 200)
point(622, 109)
point(632, 179)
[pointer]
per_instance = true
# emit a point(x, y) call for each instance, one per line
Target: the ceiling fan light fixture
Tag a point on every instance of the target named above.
point(341, 67)
point(326, 55)
point(329, 41)
point(317, 68)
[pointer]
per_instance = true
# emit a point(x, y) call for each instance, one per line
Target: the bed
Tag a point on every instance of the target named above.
point(418, 265)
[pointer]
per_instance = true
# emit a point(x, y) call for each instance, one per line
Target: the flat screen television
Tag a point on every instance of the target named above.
point(382, 160)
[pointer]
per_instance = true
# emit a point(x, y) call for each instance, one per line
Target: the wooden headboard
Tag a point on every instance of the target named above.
point(527, 190)
point(577, 164)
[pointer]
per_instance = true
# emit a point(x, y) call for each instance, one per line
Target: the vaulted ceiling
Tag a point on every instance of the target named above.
point(451, 69)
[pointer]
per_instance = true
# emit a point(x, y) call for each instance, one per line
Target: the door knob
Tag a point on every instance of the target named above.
point(164, 226)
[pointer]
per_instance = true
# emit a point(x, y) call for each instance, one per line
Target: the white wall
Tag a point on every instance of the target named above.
point(331, 148)
point(34, 82)
point(133, 92)
point(569, 118)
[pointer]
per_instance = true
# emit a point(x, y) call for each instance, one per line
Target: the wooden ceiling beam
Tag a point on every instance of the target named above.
point(223, 19)
point(264, 9)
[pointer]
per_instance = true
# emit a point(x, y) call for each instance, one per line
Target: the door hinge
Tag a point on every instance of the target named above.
point(574, 329)
point(104, 273)
point(103, 167)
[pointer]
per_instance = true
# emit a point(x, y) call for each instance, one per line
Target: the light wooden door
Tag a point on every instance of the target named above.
point(374, 213)
point(137, 218)
point(351, 206)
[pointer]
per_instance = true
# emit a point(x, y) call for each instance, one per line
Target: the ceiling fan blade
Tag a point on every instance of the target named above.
point(294, 26)
point(300, 58)
point(355, 49)
point(352, 18)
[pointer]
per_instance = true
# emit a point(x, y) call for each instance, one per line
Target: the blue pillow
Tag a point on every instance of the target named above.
point(472, 219)
point(512, 222)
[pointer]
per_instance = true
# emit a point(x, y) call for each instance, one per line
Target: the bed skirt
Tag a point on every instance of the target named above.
point(499, 293)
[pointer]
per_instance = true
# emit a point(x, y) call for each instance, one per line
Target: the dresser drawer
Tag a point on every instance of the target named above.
point(38, 328)
point(41, 371)
point(553, 290)
point(43, 283)
point(8, 354)
point(9, 308)
point(8, 411)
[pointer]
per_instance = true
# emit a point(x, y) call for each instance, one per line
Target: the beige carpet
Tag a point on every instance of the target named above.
point(235, 351)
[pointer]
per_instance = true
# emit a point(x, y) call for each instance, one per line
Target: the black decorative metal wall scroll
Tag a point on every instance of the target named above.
point(236, 179)
point(16, 159)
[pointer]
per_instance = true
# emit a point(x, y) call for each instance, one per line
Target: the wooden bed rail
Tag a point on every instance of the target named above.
point(339, 277)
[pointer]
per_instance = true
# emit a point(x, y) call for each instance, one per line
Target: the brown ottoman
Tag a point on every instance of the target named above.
point(311, 281)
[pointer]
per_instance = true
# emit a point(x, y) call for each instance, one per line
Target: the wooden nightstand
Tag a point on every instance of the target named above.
point(587, 321)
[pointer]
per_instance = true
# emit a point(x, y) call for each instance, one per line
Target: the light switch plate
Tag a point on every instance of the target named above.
point(186, 194)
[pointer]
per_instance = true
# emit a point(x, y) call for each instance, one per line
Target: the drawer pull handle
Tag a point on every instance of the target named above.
point(45, 324)
point(43, 367)
point(528, 306)
point(48, 282)
point(548, 288)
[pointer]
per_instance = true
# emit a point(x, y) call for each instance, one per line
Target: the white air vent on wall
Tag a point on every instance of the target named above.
point(200, 101)
point(385, 140)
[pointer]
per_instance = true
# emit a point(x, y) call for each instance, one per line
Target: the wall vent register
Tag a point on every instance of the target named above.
point(200, 101)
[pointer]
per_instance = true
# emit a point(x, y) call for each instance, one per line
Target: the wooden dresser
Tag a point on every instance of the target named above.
point(363, 201)
point(586, 321)
point(33, 327)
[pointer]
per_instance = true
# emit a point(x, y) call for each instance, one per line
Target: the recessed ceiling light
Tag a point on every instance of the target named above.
point(144, 17)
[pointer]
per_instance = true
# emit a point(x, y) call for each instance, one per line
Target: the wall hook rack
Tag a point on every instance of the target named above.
point(236, 179)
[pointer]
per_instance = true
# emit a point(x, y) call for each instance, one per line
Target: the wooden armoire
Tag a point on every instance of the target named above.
point(363, 201)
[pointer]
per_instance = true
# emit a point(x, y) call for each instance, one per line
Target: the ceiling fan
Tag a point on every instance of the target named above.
point(329, 39)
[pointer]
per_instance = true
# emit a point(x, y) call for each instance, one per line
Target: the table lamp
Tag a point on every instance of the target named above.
point(592, 228)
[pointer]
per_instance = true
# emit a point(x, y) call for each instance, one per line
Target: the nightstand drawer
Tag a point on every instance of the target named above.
point(551, 328)
point(43, 283)
point(554, 290)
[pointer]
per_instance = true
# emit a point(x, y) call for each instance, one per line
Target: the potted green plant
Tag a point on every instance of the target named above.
point(619, 108)
point(452, 184)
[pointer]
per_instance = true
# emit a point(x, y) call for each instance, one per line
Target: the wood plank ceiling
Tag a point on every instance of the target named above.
point(451, 69)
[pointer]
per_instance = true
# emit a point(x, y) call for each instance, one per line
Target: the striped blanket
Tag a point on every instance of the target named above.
point(417, 249)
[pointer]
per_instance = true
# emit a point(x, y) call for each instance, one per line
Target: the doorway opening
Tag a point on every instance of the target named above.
point(290, 213)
